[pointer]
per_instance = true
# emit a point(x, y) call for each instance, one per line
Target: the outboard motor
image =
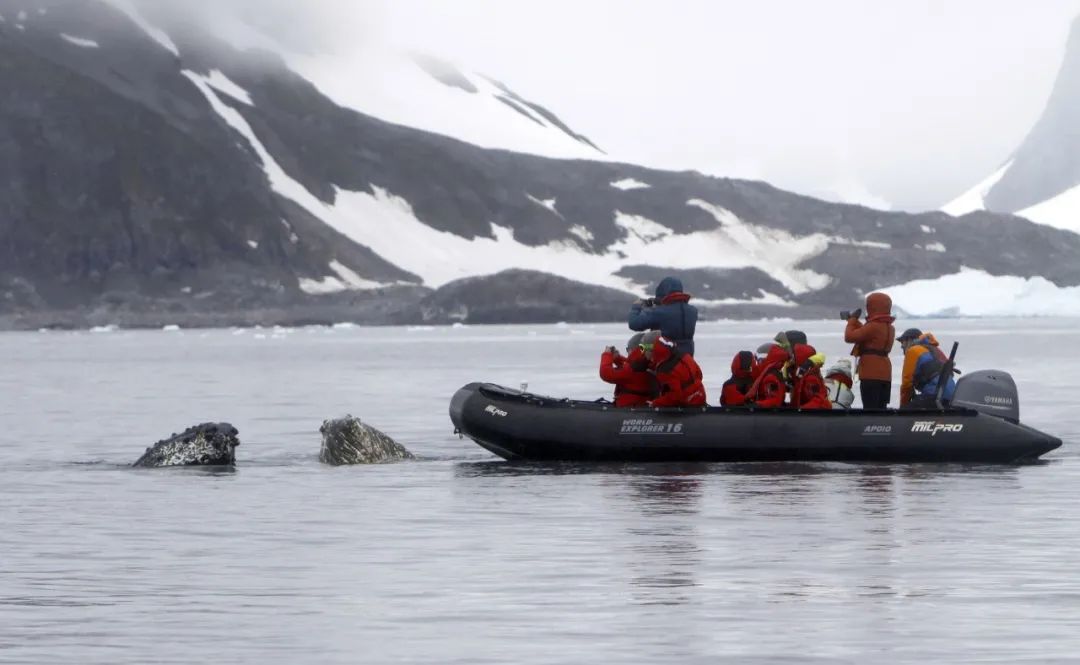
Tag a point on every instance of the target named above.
point(989, 391)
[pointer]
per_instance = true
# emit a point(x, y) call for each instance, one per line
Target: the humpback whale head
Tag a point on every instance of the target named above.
point(209, 444)
point(350, 441)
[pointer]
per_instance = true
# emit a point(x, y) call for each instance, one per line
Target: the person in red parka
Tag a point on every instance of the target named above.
point(677, 373)
point(635, 385)
point(769, 387)
point(734, 392)
point(809, 391)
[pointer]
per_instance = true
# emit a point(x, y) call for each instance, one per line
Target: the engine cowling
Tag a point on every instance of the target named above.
point(989, 391)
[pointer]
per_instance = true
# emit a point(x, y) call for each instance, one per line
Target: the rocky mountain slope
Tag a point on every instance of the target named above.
point(153, 175)
point(1041, 179)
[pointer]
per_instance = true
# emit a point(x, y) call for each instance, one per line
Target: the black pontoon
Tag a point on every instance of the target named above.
point(982, 425)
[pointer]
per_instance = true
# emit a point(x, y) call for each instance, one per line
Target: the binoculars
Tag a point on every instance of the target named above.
point(854, 314)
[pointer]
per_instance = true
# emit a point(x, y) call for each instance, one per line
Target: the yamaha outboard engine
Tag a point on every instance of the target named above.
point(989, 391)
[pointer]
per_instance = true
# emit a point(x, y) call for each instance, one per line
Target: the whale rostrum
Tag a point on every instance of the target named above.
point(208, 444)
point(348, 440)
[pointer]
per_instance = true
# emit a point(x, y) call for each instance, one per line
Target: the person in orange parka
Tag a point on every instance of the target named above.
point(635, 385)
point(873, 343)
point(743, 366)
point(677, 373)
point(809, 391)
point(769, 387)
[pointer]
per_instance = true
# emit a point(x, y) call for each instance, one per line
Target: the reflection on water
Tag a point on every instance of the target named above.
point(665, 546)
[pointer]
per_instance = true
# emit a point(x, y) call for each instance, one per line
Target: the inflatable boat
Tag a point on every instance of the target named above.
point(982, 425)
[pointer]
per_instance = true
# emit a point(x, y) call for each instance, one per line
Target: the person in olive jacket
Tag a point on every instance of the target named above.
point(873, 342)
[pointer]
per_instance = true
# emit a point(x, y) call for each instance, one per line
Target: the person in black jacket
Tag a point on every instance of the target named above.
point(670, 313)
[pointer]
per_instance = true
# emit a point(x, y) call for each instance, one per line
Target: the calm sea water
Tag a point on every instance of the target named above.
point(459, 558)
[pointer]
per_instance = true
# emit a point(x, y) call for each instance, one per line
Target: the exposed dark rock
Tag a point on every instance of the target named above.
point(522, 296)
point(444, 72)
point(117, 177)
point(711, 283)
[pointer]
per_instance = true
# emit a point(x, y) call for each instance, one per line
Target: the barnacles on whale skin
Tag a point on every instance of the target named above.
point(348, 440)
point(208, 444)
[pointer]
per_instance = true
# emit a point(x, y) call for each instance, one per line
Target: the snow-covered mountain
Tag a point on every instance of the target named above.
point(152, 172)
point(1041, 179)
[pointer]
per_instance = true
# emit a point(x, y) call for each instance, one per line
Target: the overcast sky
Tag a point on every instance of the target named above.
point(909, 101)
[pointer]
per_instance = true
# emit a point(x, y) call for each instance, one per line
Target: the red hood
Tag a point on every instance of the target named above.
point(878, 304)
point(678, 296)
point(841, 377)
point(743, 365)
point(637, 359)
point(776, 357)
point(662, 351)
point(803, 352)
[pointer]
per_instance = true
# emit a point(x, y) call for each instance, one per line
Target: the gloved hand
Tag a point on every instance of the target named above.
point(857, 314)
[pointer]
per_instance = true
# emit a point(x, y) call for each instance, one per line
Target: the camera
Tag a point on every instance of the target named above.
point(845, 315)
point(648, 302)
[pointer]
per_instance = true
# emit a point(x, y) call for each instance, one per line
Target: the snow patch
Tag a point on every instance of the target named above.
point(1061, 212)
point(279, 180)
point(936, 247)
point(859, 243)
point(439, 257)
point(79, 41)
point(21, 16)
point(927, 229)
point(974, 198)
point(346, 280)
point(171, 328)
point(286, 186)
point(774, 251)
point(582, 232)
point(972, 292)
point(545, 203)
point(627, 184)
point(20, 27)
point(395, 88)
point(253, 244)
point(293, 238)
point(641, 228)
point(158, 35)
point(224, 84)
point(765, 298)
